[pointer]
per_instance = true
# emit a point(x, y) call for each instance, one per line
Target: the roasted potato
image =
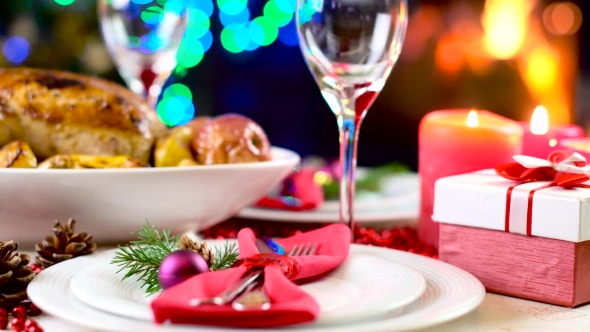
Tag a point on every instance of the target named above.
point(81, 161)
point(17, 154)
point(174, 148)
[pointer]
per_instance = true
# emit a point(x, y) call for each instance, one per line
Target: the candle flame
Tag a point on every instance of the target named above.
point(540, 121)
point(472, 119)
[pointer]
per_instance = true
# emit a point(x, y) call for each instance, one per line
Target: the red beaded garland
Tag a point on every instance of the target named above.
point(19, 312)
point(18, 324)
point(34, 310)
point(3, 319)
point(400, 238)
point(37, 268)
point(31, 326)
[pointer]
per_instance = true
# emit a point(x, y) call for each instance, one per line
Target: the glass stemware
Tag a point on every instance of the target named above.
point(142, 37)
point(350, 46)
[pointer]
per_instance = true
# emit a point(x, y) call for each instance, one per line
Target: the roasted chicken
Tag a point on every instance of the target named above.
point(63, 113)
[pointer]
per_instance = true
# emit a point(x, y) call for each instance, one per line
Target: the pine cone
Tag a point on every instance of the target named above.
point(202, 249)
point(63, 245)
point(15, 275)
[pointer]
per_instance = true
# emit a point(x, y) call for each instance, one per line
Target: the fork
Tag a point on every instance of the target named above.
point(254, 297)
point(245, 283)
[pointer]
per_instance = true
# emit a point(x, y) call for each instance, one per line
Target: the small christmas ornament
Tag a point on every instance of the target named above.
point(63, 245)
point(185, 243)
point(180, 266)
point(14, 274)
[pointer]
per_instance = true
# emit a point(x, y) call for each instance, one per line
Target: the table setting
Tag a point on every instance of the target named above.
point(120, 210)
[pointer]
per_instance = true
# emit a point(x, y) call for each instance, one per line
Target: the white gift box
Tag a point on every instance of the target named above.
point(481, 199)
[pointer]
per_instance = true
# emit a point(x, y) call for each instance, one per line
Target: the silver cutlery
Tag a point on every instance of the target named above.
point(248, 283)
point(254, 297)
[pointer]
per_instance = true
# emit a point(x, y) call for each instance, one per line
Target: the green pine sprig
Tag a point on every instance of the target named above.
point(225, 258)
point(142, 258)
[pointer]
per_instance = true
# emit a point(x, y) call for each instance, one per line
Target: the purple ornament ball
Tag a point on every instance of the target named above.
point(180, 266)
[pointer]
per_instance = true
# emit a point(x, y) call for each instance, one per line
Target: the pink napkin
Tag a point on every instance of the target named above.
point(290, 304)
point(299, 192)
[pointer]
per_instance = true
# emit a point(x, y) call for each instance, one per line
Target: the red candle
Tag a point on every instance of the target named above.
point(460, 141)
point(539, 139)
point(580, 145)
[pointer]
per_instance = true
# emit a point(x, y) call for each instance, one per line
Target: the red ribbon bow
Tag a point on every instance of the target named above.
point(565, 168)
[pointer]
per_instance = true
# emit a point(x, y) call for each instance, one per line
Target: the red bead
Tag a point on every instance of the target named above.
point(30, 323)
point(3, 322)
point(18, 324)
point(19, 312)
point(34, 310)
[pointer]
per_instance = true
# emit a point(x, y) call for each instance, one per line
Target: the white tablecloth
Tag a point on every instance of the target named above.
point(496, 313)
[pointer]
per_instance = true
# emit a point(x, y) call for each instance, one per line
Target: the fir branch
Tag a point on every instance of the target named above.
point(226, 258)
point(143, 257)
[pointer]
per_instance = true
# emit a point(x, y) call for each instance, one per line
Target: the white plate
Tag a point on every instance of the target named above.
point(399, 200)
point(364, 286)
point(450, 293)
point(111, 203)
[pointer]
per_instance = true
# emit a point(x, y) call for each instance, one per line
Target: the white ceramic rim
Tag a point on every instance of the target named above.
point(280, 156)
point(471, 294)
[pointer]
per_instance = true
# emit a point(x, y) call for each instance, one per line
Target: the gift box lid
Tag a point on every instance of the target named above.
point(485, 200)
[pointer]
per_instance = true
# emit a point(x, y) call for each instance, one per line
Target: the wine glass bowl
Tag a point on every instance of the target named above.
point(350, 47)
point(142, 37)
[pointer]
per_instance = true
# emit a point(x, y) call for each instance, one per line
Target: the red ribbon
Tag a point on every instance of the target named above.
point(517, 172)
point(287, 264)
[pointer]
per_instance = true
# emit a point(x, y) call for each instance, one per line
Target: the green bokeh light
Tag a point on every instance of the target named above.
point(228, 39)
point(177, 90)
point(190, 53)
point(275, 15)
point(198, 24)
point(133, 42)
point(285, 6)
point(232, 7)
point(65, 2)
point(152, 15)
point(262, 31)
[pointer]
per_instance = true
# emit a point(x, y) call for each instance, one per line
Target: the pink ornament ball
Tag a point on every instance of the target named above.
point(180, 266)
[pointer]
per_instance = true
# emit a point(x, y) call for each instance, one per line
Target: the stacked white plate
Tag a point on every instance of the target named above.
point(376, 289)
point(397, 202)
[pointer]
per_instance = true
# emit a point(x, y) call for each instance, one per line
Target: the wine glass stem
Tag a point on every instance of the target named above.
point(349, 129)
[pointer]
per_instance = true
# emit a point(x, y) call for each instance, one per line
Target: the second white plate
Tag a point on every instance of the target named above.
point(364, 286)
point(399, 200)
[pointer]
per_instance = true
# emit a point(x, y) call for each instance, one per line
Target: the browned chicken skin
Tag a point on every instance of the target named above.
point(63, 113)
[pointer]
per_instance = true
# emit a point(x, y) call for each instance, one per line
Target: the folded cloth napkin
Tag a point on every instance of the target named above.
point(290, 304)
point(299, 192)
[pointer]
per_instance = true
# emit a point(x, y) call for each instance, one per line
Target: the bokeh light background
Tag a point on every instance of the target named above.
point(507, 56)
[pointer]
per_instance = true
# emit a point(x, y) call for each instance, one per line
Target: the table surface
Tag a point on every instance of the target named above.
point(496, 313)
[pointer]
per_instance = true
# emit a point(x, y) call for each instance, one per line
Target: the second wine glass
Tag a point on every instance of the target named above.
point(350, 46)
point(142, 38)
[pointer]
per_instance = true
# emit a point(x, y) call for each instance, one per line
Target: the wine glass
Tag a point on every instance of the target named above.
point(142, 37)
point(350, 46)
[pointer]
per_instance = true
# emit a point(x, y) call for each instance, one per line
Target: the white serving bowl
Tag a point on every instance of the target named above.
point(112, 203)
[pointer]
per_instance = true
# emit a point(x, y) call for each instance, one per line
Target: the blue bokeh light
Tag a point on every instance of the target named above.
point(151, 43)
point(241, 17)
point(16, 50)
point(141, 2)
point(206, 40)
point(288, 34)
point(204, 5)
